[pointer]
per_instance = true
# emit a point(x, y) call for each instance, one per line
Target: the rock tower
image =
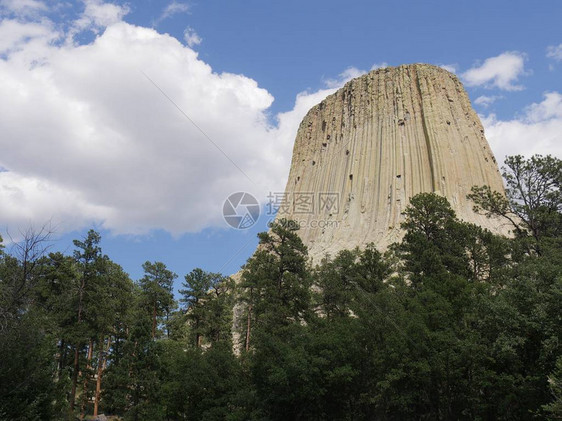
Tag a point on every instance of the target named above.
point(364, 151)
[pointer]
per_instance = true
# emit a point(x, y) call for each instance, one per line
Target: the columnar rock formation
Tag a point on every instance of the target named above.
point(363, 152)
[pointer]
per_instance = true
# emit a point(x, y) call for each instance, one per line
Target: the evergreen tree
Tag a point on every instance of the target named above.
point(337, 280)
point(275, 281)
point(28, 390)
point(452, 323)
point(90, 262)
point(143, 400)
point(533, 201)
point(444, 261)
point(133, 377)
point(208, 299)
point(156, 287)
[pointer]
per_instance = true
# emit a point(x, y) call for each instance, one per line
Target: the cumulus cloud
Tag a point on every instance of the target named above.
point(191, 37)
point(500, 72)
point(537, 131)
point(16, 35)
point(85, 136)
point(98, 15)
point(550, 108)
point(88, 138)
point(554, 52)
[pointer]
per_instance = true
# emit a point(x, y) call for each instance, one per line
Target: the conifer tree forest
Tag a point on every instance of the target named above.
point(451, 323)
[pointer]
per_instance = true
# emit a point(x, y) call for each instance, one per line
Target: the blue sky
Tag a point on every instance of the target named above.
point(91, 93)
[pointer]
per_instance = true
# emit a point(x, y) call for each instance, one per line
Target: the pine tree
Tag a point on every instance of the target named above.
point(208, 299)
point(156, 287)
point(533, 201)
point(275, 281)
point(90, 262)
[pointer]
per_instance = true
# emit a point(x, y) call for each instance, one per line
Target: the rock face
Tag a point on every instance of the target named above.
point(363, 152)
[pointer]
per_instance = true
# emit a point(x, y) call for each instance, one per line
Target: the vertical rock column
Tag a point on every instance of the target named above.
point(364, 151)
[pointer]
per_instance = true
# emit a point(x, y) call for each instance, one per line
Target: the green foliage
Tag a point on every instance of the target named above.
point(554, 408)
point(533, 201)
point(452, 323)
point(91, 266)
point(204, 385)
point(156, 286)
point(337, 280)
point(275, 281)
point(208, 299)
point(27, 387)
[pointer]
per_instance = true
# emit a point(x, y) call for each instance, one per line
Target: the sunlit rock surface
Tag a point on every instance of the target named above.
point(363, 152)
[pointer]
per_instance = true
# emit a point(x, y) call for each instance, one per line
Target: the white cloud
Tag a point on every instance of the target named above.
point(35, 199)
point(449, 67)
point(554, 52)
point(15, 35)
point(550, 108)
point(86, 138)
point(172, 9)
point(379, 65)
point(345, 76)
point(98, 15)
point(501, 72)
point(486, 101)
point(348, 74)
point(537, 131)
point(22, 7)
point(288, 122)
point(191, 37)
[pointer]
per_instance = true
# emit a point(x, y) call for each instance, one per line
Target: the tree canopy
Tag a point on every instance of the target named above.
point(451, 323)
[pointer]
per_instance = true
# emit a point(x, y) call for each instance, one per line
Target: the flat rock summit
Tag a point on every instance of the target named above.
point(364, 151)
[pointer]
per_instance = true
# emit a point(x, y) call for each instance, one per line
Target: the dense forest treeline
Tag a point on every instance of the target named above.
point(451, 323)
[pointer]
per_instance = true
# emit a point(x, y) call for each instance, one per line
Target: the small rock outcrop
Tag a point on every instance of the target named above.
point(363, 152)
